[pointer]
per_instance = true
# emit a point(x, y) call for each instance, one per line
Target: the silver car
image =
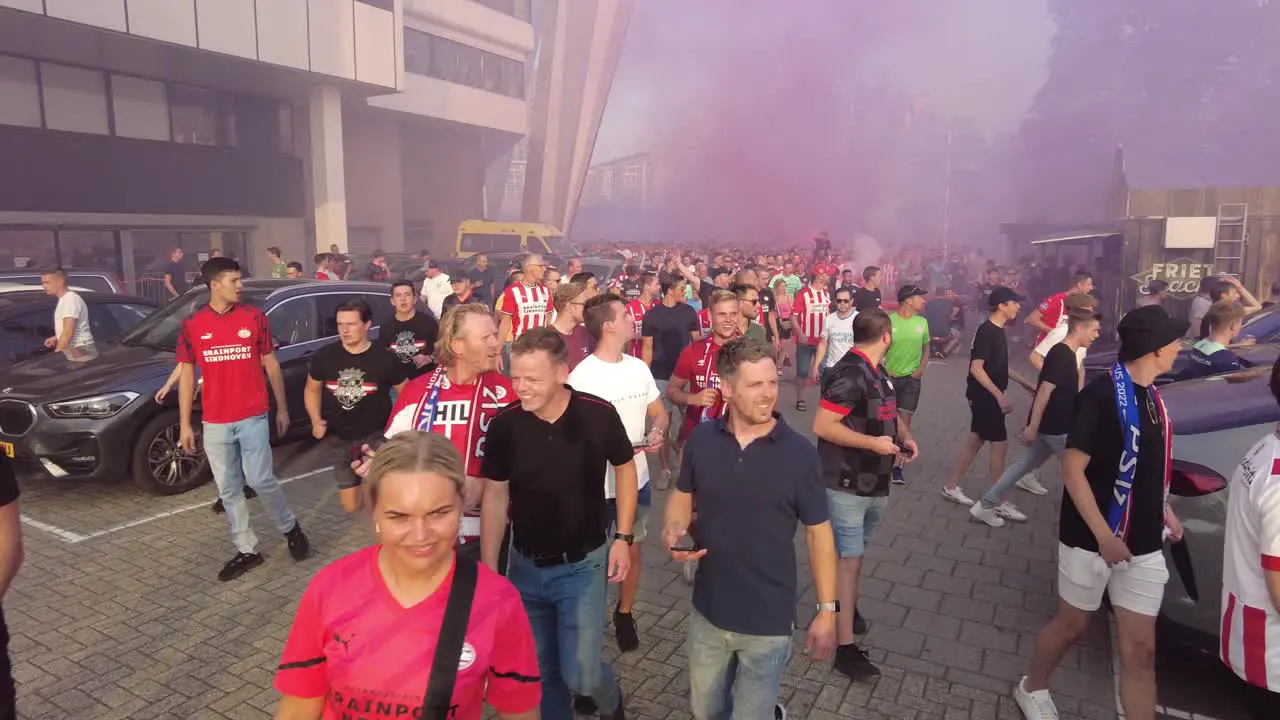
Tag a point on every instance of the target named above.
point(1216, 420)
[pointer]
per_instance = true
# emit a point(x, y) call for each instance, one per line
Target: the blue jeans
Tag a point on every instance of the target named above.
point(566, 607)
point(1033, 457)
point(238, 451)
point(733, 676)
point(854, 519)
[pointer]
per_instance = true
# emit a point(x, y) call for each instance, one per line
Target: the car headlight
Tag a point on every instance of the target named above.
point(97, 406)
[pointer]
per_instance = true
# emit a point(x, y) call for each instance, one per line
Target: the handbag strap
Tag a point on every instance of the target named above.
point(453, 632)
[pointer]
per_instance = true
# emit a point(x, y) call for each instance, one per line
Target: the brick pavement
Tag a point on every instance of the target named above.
point(133, 624)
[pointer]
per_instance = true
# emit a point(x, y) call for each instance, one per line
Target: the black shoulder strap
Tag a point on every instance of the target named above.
point(453, 632)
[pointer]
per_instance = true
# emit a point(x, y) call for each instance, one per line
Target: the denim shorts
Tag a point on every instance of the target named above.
point(854, 519)
point(907, 390)
point(804, 358)
point(644, 502)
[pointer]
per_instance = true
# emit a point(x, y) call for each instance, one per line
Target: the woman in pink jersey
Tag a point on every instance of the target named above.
point(364, 638)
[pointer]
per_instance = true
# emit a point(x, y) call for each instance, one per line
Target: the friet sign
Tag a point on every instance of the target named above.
point(1183, 275)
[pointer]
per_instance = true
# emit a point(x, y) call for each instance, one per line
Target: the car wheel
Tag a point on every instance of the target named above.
point(159, 464)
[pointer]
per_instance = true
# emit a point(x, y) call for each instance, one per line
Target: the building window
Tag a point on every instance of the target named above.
point(89, 250)
point(518, 9)
point(201, 117)
point(27, 249)
point(286, 128)
point(75, 99)
point(141, 108)
point(455, 62)
point(19, 92)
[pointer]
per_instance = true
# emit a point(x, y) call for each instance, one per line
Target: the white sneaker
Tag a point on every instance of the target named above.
point(1031, 484)
point(1035, 705)
point(956, 495)
point(1009, 512)
point(986, 515)
point(779, 712)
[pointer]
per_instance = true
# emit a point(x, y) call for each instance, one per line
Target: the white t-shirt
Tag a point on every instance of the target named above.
point(838, 332)
point(1055, 336)
point(1250, 623)
point(630, 387)
point(71, 306)
point(434, 291)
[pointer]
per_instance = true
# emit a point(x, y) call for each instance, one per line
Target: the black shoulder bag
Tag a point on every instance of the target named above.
point(453, 632)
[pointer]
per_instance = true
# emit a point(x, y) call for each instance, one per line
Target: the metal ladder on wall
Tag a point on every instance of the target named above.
point(1231, 239)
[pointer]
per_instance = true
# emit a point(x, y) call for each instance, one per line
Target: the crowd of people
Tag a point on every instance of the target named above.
point(508, 444)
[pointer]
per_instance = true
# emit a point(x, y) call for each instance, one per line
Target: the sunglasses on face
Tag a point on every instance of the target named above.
point(842, 301)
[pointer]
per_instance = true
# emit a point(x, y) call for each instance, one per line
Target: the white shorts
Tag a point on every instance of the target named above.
point(1137, 586)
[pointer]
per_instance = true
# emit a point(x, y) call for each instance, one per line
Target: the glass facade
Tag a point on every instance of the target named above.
point(434, 56)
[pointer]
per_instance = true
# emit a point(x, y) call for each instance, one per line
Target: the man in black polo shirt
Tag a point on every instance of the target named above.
point(544, 457)
point(755, 479)
point(859, 440)
point(10, 561)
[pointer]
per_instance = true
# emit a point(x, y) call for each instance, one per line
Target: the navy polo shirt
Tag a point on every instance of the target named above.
point(750, 502)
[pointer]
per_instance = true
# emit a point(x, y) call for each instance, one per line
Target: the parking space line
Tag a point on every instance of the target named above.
point(72, 538)
point(65, 535)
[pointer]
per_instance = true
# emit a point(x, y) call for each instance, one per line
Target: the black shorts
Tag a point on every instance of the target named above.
point(988, 420)
point(341, 452)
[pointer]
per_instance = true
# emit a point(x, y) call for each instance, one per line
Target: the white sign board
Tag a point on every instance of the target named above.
point(1190, 233)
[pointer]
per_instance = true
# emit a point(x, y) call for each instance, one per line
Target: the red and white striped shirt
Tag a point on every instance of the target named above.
point(704, 321)
point(636, 310)
point(527, 305)
point(1250, 624)
point(810, 310)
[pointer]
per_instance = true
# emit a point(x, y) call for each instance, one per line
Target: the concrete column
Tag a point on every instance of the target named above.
point(328, 182)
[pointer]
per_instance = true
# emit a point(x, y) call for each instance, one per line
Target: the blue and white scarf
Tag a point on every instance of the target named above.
point(1131, 429)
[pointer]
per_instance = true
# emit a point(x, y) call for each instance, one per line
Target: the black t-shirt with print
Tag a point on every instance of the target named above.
point(991, 346)
point(356, 393)
point(864, 397)
point(1095, 430)
point(1061, 369)
point(407, 338)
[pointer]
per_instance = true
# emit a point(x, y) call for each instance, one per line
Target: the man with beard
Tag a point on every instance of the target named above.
point(411, 335)
point(459, 400)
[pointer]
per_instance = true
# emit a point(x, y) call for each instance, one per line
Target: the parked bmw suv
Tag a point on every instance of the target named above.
point(96, 417)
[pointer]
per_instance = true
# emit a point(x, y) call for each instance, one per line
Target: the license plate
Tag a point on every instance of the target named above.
point(6, 449)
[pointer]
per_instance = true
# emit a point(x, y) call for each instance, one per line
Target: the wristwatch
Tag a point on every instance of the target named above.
point(829, 607)
point(627, 538)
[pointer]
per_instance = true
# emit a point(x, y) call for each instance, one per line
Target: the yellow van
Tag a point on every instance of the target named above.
point(510, 238)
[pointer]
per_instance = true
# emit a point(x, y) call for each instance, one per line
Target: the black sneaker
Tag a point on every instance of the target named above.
point(779, 712)
point(859, 623)
point(239, 565)
point(898, 479)
point(585, 705)
point(624, 629)
point(853, 662)
point(299, 546)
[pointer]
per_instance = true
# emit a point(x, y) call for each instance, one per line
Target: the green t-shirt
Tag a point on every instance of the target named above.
point(910, 338)
point(279, 270)
point(793, 282)
point(755, 330)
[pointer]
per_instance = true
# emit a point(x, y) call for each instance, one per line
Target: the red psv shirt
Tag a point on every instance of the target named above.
point(1052, 312)
point(704, 321)
point(527, 305)
point(811, 308)
point(368, 656)
point(228, 349)
point(636, 311)
point(697, 364)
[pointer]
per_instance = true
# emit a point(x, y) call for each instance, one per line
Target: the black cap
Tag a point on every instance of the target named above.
point(1002, 295)
point(1146, 329)
point(906, 292)
point(433, 264)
